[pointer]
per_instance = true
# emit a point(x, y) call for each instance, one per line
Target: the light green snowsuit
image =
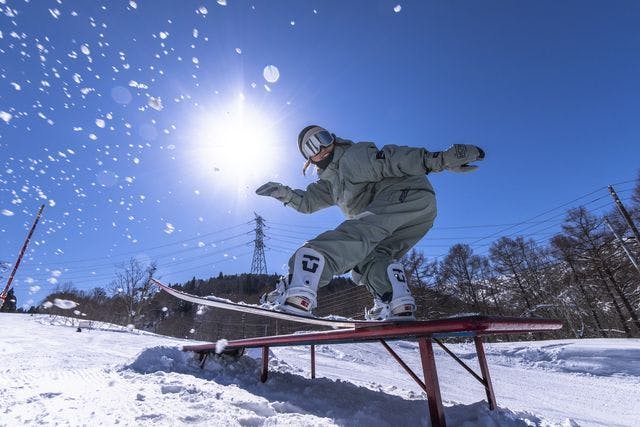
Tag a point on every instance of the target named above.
point(389, 204)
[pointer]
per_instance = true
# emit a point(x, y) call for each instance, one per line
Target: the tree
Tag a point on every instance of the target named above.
point(461, 272)
point(132, 288)
point(602, 261)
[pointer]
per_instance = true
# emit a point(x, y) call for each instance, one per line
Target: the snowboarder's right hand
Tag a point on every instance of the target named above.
point(456, 158)
point(276, 190)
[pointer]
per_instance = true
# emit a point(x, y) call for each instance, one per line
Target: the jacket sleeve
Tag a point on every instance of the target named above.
point(317, 196)
point(368, 164)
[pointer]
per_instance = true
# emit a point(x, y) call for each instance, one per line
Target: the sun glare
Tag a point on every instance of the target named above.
point(236, 144)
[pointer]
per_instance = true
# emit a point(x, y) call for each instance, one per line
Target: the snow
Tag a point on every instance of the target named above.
point(109, 375)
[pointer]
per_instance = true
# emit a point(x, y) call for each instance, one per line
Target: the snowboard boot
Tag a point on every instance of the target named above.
point(401, 305)
point(301, 294)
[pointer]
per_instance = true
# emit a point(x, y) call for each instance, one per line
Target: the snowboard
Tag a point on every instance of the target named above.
point(213, 301)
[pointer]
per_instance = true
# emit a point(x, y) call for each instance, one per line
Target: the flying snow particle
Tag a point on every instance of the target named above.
point(163, 35)
point(34, 289)
point(92, 136)
point(155, 103)
point(221, 345)
point(292, 23)
point(55, 13)
point(47, 304)
point(201, 244)
point(195, 60)
point(52, 280)
point(239, 51)
point(195, 33)
point(100, 123)
point(56, 273)
point(203, 10)
point(397, 8)
point(222, 2)
point(169, 228)
point(136, 161)
point(6, 212)
point(165, 309)
point(76, 312)
point(5, 116)
point(16, 86)
point(271, 73)
point(85, 49)
point(192, 331)
point(65, 304)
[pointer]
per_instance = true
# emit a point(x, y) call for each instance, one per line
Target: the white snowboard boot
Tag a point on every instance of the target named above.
point(301, 294)
point(402, 305)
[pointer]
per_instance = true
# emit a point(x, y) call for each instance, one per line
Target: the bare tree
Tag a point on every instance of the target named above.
point(132, 288)
point(461, 271)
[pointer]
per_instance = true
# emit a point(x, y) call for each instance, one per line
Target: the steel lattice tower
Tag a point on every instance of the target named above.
point(259, 262)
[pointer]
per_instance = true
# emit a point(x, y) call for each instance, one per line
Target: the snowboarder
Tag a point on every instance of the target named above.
point(389, 204)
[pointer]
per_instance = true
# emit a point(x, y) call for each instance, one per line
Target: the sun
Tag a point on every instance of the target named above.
point(236, 144)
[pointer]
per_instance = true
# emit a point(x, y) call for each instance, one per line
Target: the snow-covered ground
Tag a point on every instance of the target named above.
point(52, 375)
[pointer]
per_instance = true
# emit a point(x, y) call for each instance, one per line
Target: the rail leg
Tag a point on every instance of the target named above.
point(313, 361)
point(484, 368)
point(203, 358)
point(436, 409)
point(265, 364)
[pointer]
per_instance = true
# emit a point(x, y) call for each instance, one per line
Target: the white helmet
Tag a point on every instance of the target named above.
point(311, 140)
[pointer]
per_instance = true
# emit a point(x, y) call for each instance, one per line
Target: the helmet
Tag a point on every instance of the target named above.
point(311, 140)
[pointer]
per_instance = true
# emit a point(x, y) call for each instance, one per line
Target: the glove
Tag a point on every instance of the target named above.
point(456, 158)
point(276, 190)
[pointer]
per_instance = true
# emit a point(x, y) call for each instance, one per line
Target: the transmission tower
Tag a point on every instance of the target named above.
point(259, 262)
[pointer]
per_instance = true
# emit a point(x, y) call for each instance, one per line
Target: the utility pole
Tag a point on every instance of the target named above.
point(624, 247)
point(259, 262)
point(3, 295)
point(625, 214)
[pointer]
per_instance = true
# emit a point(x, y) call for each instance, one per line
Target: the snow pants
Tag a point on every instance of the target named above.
point(389, 227)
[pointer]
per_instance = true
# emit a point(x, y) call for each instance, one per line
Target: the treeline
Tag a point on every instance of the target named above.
point(584, 275)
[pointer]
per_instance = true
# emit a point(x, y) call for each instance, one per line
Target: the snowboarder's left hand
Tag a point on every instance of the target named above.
point(456, 158)
point(276, 190)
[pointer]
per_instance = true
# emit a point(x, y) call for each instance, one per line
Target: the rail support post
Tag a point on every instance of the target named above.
point(265, 364)
point(313, 361)
point(484, 368)
point(436, 409)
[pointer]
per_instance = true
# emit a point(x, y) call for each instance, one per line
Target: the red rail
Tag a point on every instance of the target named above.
point(424, 331)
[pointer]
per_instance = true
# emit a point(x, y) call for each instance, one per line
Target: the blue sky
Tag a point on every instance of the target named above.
point(145, 126)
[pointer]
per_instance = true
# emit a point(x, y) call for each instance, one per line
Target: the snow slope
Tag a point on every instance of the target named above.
point(52, 375)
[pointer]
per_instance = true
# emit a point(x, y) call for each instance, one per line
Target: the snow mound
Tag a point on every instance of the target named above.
point(162, 358)
point(589, 357)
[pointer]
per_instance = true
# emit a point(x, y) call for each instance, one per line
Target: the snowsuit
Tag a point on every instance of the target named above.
point(389, 204)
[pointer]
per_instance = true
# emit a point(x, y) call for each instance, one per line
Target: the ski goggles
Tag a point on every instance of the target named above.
point(313, 142)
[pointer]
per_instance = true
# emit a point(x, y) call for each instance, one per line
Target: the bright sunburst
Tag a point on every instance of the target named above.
point(235, 144)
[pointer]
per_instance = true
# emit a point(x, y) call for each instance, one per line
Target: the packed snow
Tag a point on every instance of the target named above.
point(106, 374)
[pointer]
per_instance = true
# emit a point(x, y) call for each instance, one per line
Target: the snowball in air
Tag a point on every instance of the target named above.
point(221, 345)
point(65, 304)
point(271, 73)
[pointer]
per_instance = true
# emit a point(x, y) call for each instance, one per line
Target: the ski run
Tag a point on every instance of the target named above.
point(50, 374)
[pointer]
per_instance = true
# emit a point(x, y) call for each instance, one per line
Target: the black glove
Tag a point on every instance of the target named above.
point(456, 158)
point(276, 190)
